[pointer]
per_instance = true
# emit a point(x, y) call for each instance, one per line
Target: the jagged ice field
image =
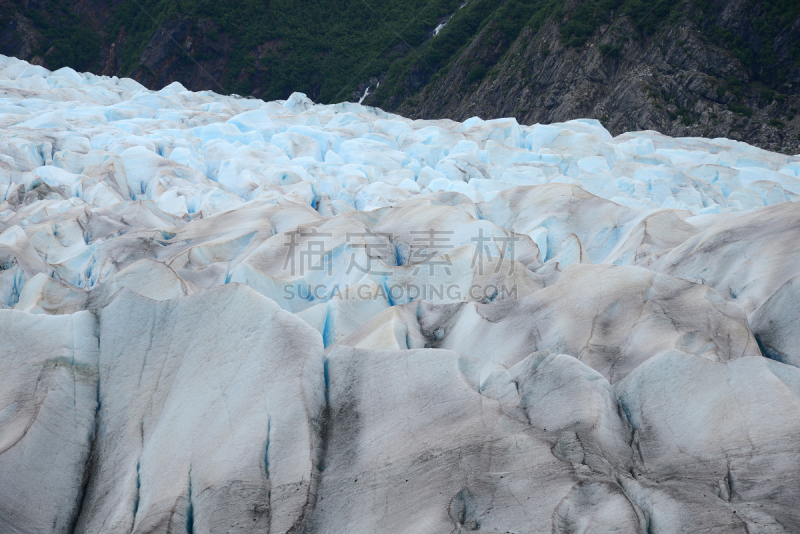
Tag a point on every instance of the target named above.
point(227, 315)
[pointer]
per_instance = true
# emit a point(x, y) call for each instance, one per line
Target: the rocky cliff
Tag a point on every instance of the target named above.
point(681, 81)
point(708, 68)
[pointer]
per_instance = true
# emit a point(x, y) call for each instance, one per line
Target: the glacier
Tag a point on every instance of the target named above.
point(219, 314)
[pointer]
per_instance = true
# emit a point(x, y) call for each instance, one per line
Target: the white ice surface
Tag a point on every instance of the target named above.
point(221, 314)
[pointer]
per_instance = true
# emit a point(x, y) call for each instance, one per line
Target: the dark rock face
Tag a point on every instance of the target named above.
point(684, 79)
point(679, 82)
point(182, 50)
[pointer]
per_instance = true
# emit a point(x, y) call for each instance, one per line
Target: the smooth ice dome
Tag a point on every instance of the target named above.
point(219, 314)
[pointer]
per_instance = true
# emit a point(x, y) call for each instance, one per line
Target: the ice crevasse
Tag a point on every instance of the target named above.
point(219, 314)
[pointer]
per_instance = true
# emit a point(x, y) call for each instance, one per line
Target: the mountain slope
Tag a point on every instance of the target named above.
point(698, 67)
point(716, 70)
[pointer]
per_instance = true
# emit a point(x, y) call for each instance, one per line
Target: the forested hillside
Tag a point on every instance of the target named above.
point(693, 67)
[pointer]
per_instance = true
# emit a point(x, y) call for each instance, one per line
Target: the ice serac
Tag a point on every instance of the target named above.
point(776, 324)
point(414, 445)
point(612, 318)
point(745, 257)
point(48, 399)
point(720, 438)
point(210, 409)
point(653, 233)
point(146, 277)
point(561, 209)
point(19, 262)
point(43, 294)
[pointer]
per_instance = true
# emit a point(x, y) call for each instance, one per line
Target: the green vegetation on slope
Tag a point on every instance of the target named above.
point(326, 48)
point(508, 20)
point(322, 47)
point(771, 19)
point(67, 42)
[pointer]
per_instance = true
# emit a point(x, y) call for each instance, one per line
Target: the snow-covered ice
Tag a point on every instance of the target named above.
point(219, 314)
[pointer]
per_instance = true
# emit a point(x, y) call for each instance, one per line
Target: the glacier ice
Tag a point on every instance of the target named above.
point(219, 314)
